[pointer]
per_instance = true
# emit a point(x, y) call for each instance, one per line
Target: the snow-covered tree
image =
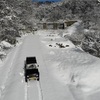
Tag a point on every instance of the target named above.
point(91, 43)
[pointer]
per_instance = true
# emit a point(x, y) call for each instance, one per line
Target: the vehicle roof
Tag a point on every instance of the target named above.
point(30, 60)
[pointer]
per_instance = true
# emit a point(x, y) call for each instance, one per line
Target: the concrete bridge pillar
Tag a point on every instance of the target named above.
point(44, 26)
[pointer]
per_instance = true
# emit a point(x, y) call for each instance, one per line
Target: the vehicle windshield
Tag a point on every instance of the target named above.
point(31, 66)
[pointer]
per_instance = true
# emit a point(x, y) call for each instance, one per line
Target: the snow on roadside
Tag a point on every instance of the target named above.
point(0, 62)
point(6, 69)
point(6, 47)
point(5, 44)
point(71, 65)
point(73, 28)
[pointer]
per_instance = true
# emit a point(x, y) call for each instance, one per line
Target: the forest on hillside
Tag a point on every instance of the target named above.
point(20, 16)
point(88, 11)
point(14, 17)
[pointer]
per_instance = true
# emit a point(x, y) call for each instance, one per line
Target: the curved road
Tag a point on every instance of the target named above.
point(13, 86)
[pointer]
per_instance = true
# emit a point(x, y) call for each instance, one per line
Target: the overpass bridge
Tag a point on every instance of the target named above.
point(55, 25)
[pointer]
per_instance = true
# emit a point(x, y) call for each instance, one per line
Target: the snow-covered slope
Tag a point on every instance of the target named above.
point(70, 65)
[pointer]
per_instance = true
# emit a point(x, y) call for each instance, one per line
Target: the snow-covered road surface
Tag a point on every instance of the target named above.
point(32, 90)
point(12, 82)
point(64, 72)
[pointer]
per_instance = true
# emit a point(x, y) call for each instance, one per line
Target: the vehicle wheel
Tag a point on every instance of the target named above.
point(25, 79)
point(37, 79)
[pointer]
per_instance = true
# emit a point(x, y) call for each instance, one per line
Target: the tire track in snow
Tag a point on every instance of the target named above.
point(3, 87)
point(40, 91)
point(26, 91)
point(33, 90)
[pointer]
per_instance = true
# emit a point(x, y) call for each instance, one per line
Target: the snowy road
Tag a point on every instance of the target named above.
point(12, 84)
point(62, 70)
point(32, 91)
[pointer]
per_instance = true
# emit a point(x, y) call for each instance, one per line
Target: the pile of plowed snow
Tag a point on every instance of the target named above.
point(70, 65)
point(5, 44)
point(5, 48)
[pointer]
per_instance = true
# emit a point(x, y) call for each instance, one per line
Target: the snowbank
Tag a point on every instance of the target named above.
point(72, 29)
point(71, 65)
point(5, 44)
point(2, 53)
